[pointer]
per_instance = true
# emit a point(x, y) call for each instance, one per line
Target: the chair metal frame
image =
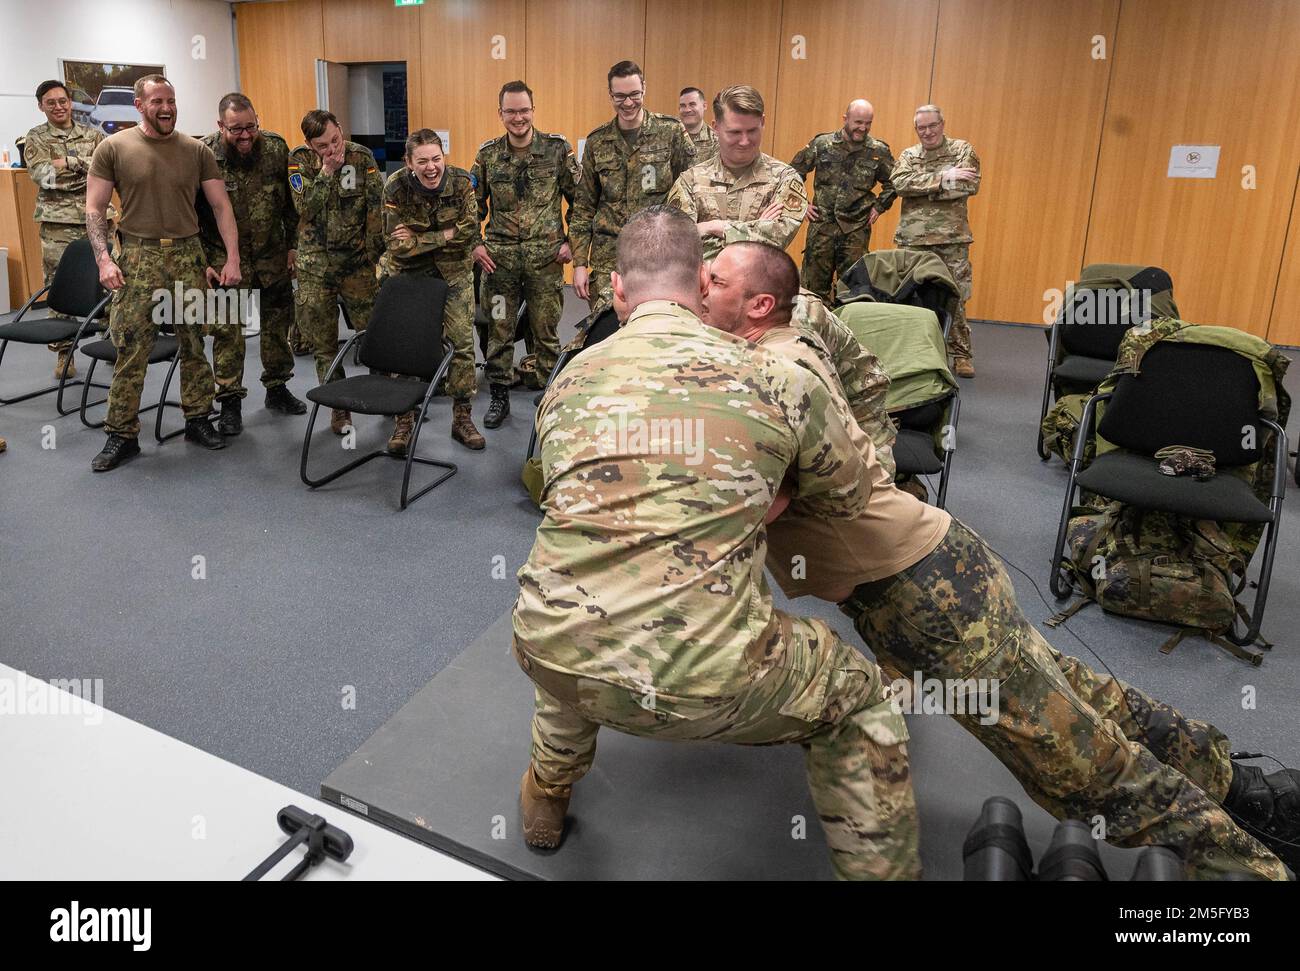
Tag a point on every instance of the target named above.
point(159, 437)
point(1062, 586)
point(381, 453)
point(64, 380)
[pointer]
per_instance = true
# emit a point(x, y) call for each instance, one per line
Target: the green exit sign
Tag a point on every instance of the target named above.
point(408, 3)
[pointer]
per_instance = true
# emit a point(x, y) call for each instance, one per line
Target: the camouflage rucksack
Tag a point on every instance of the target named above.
point(1061, 424)
point(1158, 567)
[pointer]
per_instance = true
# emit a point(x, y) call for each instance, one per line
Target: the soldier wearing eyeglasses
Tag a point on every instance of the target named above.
point(255, 166)
point(629, 163)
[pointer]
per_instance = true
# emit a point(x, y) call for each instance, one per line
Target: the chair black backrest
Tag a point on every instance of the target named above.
point(405, 331)
point(1188, 394)
point(1095, 323)
point(603, 326)
point(75, 288)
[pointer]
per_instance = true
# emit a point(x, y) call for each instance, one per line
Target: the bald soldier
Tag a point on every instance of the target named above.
point(934, 178)
point(629, 163)
point(643, 606)
point(743, 193)
point(929, 597)
point(690, 109)
point(848, 164)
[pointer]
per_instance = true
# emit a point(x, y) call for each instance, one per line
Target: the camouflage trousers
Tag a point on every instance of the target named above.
point(828, 253)
point(321, 288)
point(955, 256)
point(275, 313)
point(55, 238)
point(524, 273)
point(600, 291)
point(1083, 746)
point(133, 326)
point(823, 694)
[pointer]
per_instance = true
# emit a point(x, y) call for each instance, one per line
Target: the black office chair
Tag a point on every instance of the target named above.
point(165, 348)
point(1190, 394)
point(1084, 340)
point(590, 333)
point(915, 450)
point(404, 338)
point(75, 291)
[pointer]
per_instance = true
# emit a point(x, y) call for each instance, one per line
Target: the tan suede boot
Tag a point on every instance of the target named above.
point(463, 430)
point(963, 368)
point(401, 437)
point(543, 809)
point(65, 363)
point(340, 421)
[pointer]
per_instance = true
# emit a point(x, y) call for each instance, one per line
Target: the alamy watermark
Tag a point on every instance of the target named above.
point(625, 435)
point(946, 696)
point(214, 307)
point(26, 695)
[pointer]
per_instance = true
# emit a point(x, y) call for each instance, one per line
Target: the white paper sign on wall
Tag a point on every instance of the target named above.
point(1193, 161)
point(582, 145)
point(445, 135)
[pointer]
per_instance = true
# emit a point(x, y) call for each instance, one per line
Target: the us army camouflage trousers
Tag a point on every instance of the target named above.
point(956, 256)
point(132, 327)
point(1082, 745)
point(529, 274)
point(828, 253)
point(275, 313)
point(316, 306)
point(824, 695)
point(55, 238)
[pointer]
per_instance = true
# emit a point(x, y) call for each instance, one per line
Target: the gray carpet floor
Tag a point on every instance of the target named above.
point(323, 611)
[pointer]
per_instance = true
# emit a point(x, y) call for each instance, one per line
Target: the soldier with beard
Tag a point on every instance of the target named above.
point(255, 164)
point(157, 173)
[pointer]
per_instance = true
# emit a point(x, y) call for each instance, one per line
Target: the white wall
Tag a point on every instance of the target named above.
point(366, 98)
point(34, 34)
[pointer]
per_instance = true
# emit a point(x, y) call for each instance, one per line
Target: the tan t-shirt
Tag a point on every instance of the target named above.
point(157, 180)
point(895, 531)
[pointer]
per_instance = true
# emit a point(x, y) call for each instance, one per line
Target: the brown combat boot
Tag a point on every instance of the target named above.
point(462, 428)
point(543, 809)
point(401, 437)
point(340, 421)
point(962, 367)
point(65, 363)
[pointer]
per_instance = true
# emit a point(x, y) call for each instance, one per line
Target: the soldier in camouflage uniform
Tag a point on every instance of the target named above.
point(742, 193)
point(255, 164)
point(58, 158)
point(431, 227)
point(629, 163)
point(849, 163)
point(157, 172)
point(928, 596)
point(934, 180)
point(643, 606)
point(338, 192)
point(524, 174)
point(690, 110)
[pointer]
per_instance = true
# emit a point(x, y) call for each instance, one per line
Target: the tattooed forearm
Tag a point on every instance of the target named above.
point(97, 230)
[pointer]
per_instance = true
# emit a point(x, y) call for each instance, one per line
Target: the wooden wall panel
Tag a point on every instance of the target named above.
point(676, 57)
point(1200, 72)
point(892, 71)
point(1284, 324)
point(572, 44)
point(278, 47)
point(1017, 79)
point(461, 40)
point(376, 31)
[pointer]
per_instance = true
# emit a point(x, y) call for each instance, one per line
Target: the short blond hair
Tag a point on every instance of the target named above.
point(925, 110)
point(739, 97)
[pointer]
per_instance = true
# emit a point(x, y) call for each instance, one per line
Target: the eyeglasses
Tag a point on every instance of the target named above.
point(926, 129)
point(57, 102)
point(238, 130)
point(516, 112)
point(634, 97)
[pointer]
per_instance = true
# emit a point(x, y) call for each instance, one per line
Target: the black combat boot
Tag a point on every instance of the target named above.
point(1268, 808)
point(499, 410)
point(281, 399)
point(201, 432)
point(231, 421)
point(117, 450)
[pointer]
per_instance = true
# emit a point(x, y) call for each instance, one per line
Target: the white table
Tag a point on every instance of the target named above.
point(91, 795)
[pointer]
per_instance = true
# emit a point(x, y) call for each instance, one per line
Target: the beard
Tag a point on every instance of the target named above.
point(241, 161)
